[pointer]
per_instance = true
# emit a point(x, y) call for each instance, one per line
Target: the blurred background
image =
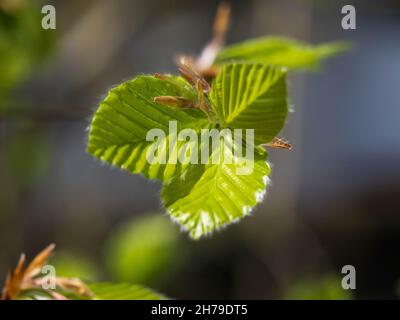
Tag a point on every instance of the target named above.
point(334, 200)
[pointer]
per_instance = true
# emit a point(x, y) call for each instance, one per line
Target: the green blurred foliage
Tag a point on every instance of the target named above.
point(123, 291)
point(25, 157)
point(75, 266)
point(23, 43)
point(144, 250)
point(28, 155)
point(325, 288)
point(9, 194)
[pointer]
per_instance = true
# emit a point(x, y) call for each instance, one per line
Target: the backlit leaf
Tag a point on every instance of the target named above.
point(120, 125)
point(280, 51)
point(251, 96)
point(224, 185)
point(208, 197)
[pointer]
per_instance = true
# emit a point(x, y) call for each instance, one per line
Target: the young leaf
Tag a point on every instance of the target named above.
point(208, 197)
point(200, 197)
point(119, 127)
point(280, 51)
point(251, 96)
point(123, 291)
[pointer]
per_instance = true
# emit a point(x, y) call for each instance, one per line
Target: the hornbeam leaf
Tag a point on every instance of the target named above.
point(201, 197)
point(251, 96)
point(280, 51)
point(119, 127)
point(122, 291)
point(208, 197)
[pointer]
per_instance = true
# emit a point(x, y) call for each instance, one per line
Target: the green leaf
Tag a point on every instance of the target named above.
point(208, 197)
point(119, 127)
point(200, 197)
point(251, 96)
point(280, 51)
point(123, 291)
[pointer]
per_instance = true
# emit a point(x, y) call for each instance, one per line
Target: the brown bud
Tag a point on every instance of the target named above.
point(178, 102)
point(279, 143)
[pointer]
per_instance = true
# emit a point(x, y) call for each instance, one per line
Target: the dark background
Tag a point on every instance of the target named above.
point(334, 199)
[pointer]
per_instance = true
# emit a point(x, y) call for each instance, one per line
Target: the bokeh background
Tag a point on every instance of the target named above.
point(334, 200)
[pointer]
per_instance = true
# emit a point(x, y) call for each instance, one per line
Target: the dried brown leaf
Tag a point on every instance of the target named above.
point(14, 280)
point(204, 63)
point(74, 285)
point(279, 143)
point(39, 261)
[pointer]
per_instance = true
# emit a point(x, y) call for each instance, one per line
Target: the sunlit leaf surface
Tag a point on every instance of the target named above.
point(280, 51)
point(206, 195)
point(251, 96)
